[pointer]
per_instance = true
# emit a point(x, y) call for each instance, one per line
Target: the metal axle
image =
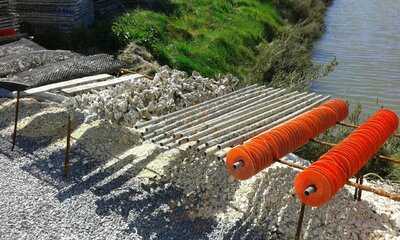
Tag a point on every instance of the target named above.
point(310, 190)
point(237, 165)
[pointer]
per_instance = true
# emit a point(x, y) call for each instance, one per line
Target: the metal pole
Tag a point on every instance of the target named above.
point(68, 147)
point(361, 180)
point(356, 189)
point(300, 222)
point(14, 136)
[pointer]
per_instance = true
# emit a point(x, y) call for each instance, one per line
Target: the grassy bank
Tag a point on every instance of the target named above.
point(210, 37)
point(256, 40)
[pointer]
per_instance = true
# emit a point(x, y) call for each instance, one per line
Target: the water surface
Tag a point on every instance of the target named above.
point(364, 36)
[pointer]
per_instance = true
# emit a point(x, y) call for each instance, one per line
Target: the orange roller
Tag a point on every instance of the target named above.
point(318, 183)
point(257, 153)
point(240, 158)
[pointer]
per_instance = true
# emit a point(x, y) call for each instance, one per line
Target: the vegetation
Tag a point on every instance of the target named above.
point(312, 151)
point(208, 36)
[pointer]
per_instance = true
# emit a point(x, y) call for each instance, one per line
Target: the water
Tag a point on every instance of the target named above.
point(364, 36)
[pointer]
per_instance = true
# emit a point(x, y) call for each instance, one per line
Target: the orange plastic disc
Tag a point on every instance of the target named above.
point(309, 178)
point(247, 169)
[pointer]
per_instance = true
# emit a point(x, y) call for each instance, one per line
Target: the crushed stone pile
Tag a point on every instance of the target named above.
point(265, 206)
point(168, 91)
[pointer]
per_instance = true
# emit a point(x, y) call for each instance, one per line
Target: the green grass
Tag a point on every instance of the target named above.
point(209, 36)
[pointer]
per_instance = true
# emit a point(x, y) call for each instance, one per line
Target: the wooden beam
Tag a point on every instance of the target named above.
point(65, 84)
point(103, 84)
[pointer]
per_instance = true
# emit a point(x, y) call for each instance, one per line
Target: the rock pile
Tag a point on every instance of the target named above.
point(168, 91)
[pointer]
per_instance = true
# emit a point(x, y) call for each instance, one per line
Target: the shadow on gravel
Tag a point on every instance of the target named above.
point(95, 147)
point(152, 212)
point(93, 182)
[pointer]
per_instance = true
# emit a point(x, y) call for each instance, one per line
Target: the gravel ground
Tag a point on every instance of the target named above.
point(109, 198)
point(29, 208)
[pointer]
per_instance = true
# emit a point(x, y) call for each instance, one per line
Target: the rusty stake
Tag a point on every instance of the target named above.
point(360, 181)
point(14, 136)
point(300, 222)
point(68, 147)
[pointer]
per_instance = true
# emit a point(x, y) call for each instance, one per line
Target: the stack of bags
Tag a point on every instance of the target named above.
point(108, 8)
point(8, 19)
point(60, 15)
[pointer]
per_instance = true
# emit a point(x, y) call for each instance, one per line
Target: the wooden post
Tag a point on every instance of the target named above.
point(14, 136)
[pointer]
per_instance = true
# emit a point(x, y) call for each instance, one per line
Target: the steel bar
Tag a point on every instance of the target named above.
point(310, 190)
point(211, 151)
point(166, 141)
point(201, 147)
point(300, 222)
point(356, 189)
point(361, 180)
point(249, 128)
point(355, 126)
point(379, 156)
point(154, 121)
point(219, 111)
point(228, 111)
point(249, 110)
point(245, 120)
point(14, 136)
point(169, 118)
point(68, 147)
point(225, 102)
point(213, 111)
point(379, 192)
point(252, 119)
point(249, 134)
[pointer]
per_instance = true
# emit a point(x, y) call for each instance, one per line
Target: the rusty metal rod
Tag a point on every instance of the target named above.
point(14, 136)
point(67, 147)
point(161, 118)
point(355, 126)
point(379, 192)
point(300, 222)
point(396, 161)
point(360, 181)
point(356, 189)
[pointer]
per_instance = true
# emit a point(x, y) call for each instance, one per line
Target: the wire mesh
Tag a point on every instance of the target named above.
point(77, 67)
point(16, 63)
